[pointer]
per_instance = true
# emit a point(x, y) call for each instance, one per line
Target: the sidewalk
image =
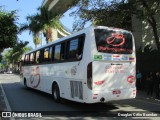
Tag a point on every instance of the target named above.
point(142, 95)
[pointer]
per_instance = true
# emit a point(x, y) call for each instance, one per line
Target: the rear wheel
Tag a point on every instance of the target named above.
point(25, 83)
point(56, 93)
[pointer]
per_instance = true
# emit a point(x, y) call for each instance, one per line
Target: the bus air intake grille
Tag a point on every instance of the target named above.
point(76, 89)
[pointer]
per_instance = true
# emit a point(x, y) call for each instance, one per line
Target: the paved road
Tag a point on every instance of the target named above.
point(22, 99)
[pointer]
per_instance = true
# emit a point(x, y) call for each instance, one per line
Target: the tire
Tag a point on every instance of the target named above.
point(25, 84)
point(56, 93)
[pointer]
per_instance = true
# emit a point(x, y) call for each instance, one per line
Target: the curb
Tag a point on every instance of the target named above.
point(5, 98)
point(142, 95)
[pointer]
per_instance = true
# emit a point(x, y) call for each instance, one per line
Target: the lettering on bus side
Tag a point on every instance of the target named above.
point(115, 69)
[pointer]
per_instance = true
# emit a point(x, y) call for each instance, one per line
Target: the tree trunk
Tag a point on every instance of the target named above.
point(152, 22)
point(155, 31)
point(49, 35)
point(35, 45)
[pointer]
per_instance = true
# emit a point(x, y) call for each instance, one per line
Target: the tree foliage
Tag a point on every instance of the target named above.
point(34, 27)
point(18, 50)
point(117, 13)
point(8, 29)
point(48, 21)
point(148, 10)
point(13, 55)
point(101, 12)
point(43, 21)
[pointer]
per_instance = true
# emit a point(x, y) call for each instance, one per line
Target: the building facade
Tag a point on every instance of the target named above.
point(143, 32)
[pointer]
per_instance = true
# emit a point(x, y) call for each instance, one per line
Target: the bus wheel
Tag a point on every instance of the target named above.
point(56, 93)
point(25, 83)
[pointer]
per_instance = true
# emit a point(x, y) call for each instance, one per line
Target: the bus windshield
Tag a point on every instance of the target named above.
point(113, 41)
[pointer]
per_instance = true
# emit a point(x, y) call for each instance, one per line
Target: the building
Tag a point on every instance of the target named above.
point(143, 32)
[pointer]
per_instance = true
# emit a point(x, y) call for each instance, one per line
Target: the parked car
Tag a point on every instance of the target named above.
point(9, 72)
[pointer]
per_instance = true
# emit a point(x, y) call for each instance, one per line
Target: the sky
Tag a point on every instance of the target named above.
point(29, 7)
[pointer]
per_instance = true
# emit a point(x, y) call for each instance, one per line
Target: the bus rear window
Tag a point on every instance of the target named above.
point(113, 41)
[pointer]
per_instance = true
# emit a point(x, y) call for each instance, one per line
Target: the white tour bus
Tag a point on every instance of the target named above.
point(96, 64)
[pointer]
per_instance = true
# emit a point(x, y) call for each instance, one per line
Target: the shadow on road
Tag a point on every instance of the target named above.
point(96, 109)
point(27, 99)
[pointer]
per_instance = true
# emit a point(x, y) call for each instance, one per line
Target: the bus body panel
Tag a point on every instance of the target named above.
point(111, 78)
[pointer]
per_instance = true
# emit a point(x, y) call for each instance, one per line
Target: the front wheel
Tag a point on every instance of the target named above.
point(56, 93)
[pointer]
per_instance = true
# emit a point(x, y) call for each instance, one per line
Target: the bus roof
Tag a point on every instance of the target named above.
point(75, 34)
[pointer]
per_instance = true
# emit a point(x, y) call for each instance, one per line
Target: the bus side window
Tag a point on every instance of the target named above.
point(80, 47)
point(37, 60)
point(45, 55)
point(26, 60)
point(63, 47)
point(50, 53)
point(53, 52)
point(32, 60)
point(72, 49)
point(57, 52)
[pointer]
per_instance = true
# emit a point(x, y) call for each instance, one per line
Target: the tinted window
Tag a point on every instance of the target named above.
point(57, 52)
point(63, 51)
point(73, 49)
point(113, 41)
point(80, 46)
point(37, 60)
point(32, 58)
point(50, 53)
point(46, 55)
point(26, 59)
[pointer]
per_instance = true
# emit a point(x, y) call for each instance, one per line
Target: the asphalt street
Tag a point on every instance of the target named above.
point(22, 99)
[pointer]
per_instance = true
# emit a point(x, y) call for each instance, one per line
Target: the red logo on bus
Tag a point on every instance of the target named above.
point(35, 80)
point(131, 79)
point(35, 77)
point(99, 82)
point(116, 39)
point(116, 92)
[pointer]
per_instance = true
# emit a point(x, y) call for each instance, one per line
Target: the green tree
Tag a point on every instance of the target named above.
point(34, 27)
point(117, 13)
point(101, 12)
point(18, 50)
point(0, 57)
point(48, 21)
point(43, 21)
point(148, 10)
point(13, 55)
point(8, 29)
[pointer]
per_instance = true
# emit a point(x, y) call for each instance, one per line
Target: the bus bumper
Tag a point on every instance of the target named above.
point(106, 96)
